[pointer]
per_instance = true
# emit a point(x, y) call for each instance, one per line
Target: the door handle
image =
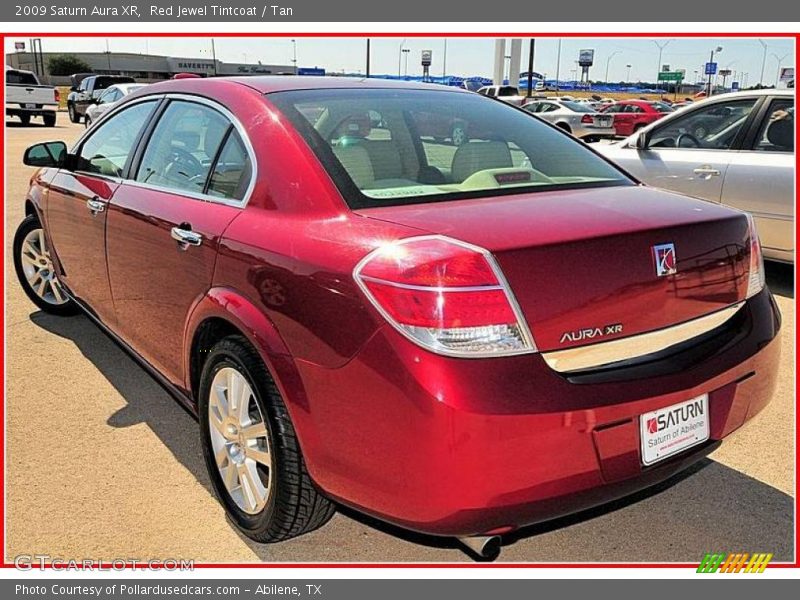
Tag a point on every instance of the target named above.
point(95, 205)
point(707, 172)
point(186, 237)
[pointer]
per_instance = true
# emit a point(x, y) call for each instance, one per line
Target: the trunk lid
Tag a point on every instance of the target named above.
point(581, 263)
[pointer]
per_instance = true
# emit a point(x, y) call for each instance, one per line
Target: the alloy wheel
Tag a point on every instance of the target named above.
point(240, 440)
point(38, 268)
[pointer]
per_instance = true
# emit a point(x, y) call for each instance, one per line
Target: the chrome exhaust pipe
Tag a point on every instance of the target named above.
point(486, 547)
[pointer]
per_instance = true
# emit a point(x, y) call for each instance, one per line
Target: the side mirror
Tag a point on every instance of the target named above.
point(46, 154)
point(642, 141)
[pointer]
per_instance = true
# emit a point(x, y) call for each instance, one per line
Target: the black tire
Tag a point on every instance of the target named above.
point(25, 119)
point(73, 114)
point(294, 505)
point(29, 224)
point(49, 119)
point(565, 127)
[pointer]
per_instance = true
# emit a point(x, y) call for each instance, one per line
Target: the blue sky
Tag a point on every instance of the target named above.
point(465, 56)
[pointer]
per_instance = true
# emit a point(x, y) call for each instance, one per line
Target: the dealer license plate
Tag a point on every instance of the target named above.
point(28, 106)
point(670, 430)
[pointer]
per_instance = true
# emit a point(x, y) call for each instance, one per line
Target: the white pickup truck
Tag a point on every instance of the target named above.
point(27, 98)
point(506, 93)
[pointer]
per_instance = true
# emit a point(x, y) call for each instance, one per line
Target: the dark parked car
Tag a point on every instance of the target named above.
point(86, 90)
point(460, 340)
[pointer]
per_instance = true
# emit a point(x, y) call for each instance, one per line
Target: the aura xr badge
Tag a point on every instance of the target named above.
point(664, 255)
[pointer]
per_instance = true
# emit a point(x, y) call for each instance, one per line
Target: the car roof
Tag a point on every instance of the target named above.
point(280, 83)
point(747, 93)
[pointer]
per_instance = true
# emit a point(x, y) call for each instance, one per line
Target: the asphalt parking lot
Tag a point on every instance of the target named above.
point(102, 463)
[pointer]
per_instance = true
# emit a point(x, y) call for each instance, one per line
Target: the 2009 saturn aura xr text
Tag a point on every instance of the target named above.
point(458, 338)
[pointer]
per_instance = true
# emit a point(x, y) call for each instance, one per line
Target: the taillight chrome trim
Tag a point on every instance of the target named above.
point(524, 330)
point(425, 288)
point(602, 354)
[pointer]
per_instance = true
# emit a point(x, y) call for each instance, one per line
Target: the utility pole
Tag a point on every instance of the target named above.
point(367, 58)
point(444, 61)
point(214, 56)
point(531, 50)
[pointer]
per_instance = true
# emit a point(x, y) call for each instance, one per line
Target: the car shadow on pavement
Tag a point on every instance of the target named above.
point(709, 507)
point(780, 278)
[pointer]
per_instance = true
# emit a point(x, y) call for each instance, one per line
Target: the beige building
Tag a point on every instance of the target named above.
point(147, 68)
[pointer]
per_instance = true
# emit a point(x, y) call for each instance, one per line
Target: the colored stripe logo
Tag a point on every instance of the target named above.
point(734, 562)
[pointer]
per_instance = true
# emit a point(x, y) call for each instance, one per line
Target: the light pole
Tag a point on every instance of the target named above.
point(608, 61)
point(710, 91)
point(558, 63)
point(400, 57)
point(406, 51)
point(294, 55)
point(367, 58)
point(628, 78)
point(780, 59)
point(661, 47)
point(763, 61)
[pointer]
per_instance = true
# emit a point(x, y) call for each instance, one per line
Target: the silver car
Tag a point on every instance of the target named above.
point(735, 149)
point(108, 99)
point(574, 117)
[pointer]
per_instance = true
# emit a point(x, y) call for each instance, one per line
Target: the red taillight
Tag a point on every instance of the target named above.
point(445, 295)
point(587, 119)
point(56, 95)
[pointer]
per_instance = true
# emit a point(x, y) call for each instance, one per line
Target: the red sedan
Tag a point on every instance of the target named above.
point(461, 340)
point(632, 115)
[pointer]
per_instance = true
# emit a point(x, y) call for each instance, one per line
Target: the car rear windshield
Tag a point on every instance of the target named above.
point(21, 78)
point(577, 106)
point(387, 147)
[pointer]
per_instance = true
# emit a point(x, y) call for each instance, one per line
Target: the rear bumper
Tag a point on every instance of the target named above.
point(463, 447)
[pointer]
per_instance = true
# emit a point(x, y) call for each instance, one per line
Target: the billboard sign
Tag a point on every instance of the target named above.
point(787, 73)
point(19, 45)
point(427, 58)
point(586, 58)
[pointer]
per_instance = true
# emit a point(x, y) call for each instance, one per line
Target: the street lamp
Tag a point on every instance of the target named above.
point(608, 61)
point(718, 49)
point(763, 61)
point(628, 78)
point(294, 55)
point(661, 47)
point(400, 57)
point(406, 51)
point(780, 59)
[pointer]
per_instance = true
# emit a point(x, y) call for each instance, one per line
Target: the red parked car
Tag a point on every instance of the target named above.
point(461, 340)
point(632, 115)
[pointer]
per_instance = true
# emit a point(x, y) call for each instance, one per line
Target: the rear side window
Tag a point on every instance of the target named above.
point(231, 174)
point(107, 150)
point(182, 149)
point(21, 78)
point(777, 130)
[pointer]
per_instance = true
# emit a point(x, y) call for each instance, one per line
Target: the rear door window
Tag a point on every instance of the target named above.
point(777, 130)
point(182, 147)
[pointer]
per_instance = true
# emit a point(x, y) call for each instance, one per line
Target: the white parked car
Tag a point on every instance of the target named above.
point(576, 118)
point(735, 149)
point(108, 99)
